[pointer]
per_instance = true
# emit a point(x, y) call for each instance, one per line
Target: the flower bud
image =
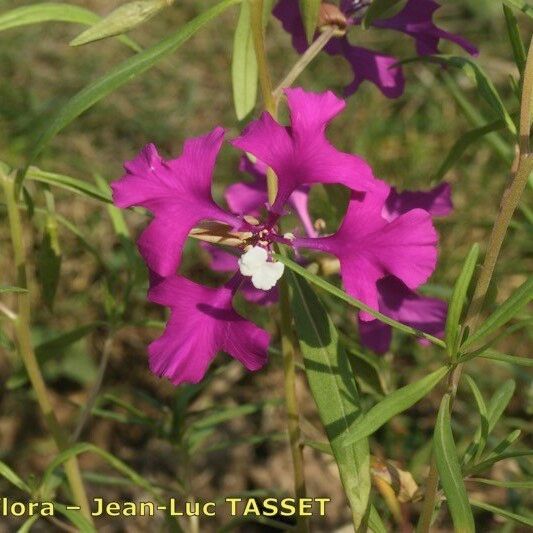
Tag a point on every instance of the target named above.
point(121, 20)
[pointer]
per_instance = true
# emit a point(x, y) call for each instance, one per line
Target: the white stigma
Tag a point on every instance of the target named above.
point(264, 273)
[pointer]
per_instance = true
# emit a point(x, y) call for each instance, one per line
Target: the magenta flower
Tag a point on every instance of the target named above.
point(415, 20)
point(177, 192)
point(301, 155)
point(370, 247)
point(395, 299)
point(202, 323)
point(249, 198)
point(380, 236)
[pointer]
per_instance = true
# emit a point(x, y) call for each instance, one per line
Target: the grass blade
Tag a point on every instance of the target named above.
point(244, 71)
point(450, 471)
point(124, 73)
point(335, 291)
point(54, 12)
point(393, 404)
point(309, 10)
point(503, 512)
point(504, 313)
point(335, 392)
point(457, 302)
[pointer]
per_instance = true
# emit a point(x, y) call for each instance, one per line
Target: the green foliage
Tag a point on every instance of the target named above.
point(335, 392)
point(450, 470)
point(121, 20)
point(244, 73)
point(124, 73)
point(394, 403)
point(309, 10)
point(455, 309)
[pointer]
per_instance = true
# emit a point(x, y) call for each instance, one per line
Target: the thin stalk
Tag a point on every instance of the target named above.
point(288, 343)
point(508, 205)
point(89, 405)
point(25, 348)
point(258, 34)
point(288, 348)
point(304, 60)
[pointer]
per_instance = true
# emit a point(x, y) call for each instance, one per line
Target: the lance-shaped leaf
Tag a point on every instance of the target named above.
point(124, 73)
point(521, 519)
point(49, 262)
point(54, 12)
point(121, 20)
point(244, 72)
point(393, 404)
point(335, 392)
point(510, 308)
point(309, 10)
point(453, 328)
point(450, 471)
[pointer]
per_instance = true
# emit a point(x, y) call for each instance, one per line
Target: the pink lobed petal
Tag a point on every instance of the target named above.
point(177, 192)
point(301, 155)
point(370, 248)
point(202, 323)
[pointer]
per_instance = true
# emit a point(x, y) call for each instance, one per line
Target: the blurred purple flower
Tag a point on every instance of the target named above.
point(415, 20)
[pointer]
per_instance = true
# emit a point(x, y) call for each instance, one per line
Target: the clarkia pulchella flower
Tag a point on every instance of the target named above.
point(384, 235)
point(414, 20)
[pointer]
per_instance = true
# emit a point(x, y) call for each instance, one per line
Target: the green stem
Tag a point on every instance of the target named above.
point(304, 60)
point(25, 348)
point(264, 81)
point(509, 203)
point(288, 343)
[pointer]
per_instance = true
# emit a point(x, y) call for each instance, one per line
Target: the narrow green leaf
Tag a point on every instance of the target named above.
point(374, 521)
point(504, 313)
point(68, 183)
point(487, 463)
point(115, 214)
point(499, 402)
point(378, 9)
point(335, 291)
point(53, 348)
point(394, 403)
point(13, 478)
point(244, 72)
point(121, 20)
point(485, 87)
point(11, 288)
point(457, 302)
point(480, 438)
point(49, 263)
point(28, 524)
point(335, 392)
point(124, 73)
point(116, 463)
point(54, 12)
point(517, 44)
point(505, 358)
point(463, 143)
point(57, 345)
point(309, 10)
point(504, 484)
point(75, 517)
point(528, 521)
point(450, 471)
point(522, 5)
